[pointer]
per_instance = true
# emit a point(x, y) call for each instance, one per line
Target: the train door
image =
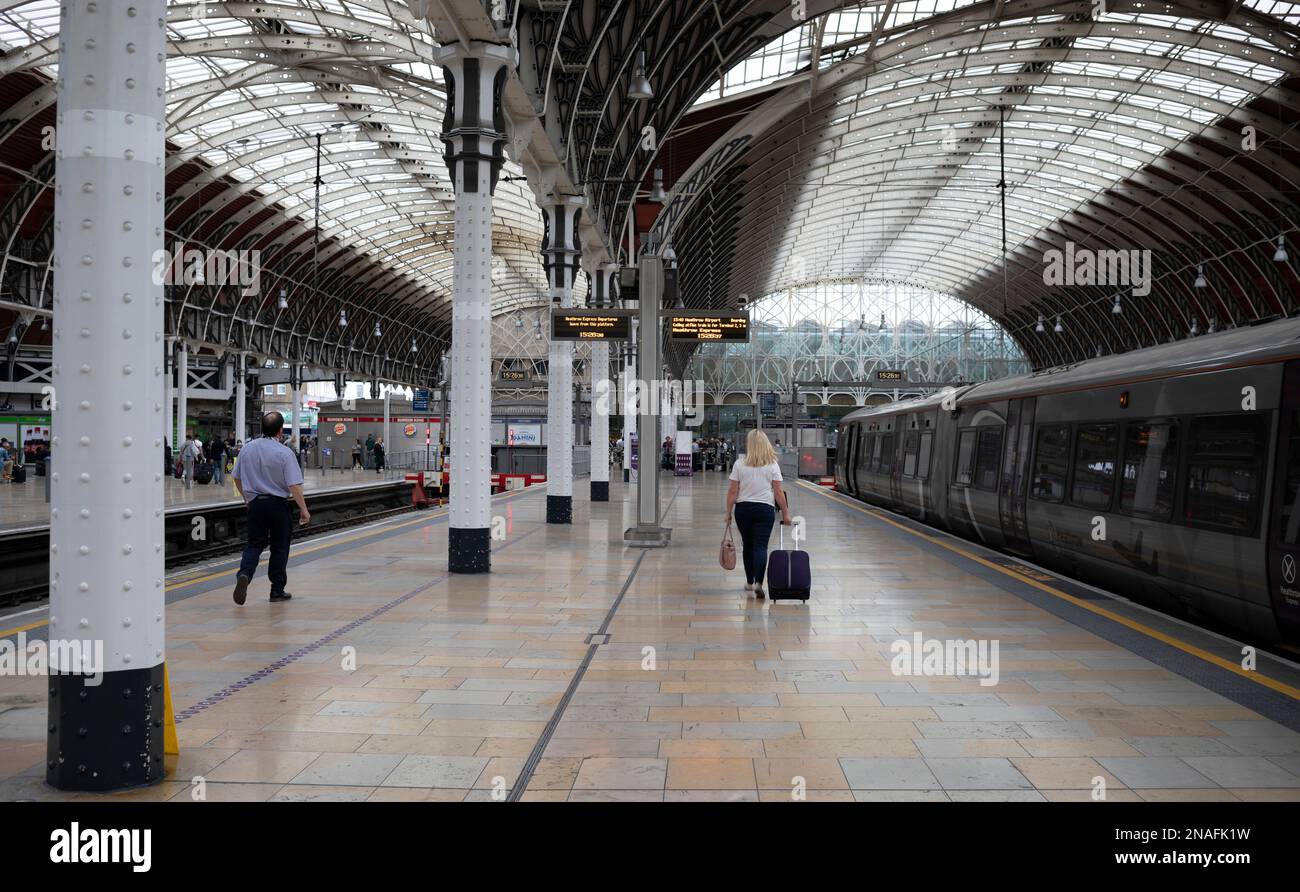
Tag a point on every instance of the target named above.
point(847, 451)
point(1284, 532)
point(1015, 474)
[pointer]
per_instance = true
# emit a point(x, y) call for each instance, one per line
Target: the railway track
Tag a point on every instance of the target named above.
point(24, 556)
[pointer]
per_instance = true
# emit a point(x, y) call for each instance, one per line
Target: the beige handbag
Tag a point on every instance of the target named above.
point(727, 552)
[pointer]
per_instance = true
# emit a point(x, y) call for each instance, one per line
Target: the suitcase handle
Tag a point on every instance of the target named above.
point(793, 538)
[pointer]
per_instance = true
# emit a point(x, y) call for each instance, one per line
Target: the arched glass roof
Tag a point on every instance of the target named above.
point(894, 170)
point(252, 87)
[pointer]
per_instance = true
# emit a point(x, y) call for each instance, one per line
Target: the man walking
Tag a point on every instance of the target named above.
point(379, 456)
point(217, 453)
point(191, 452)
point(267, 476)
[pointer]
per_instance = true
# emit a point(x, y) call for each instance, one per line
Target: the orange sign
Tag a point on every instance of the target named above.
point(409, 430)
point(340, 429)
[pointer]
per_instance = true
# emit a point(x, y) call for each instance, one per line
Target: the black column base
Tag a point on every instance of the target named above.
point(627, 475)
point(106, 737)
point(469, 550)
point(559, 509)
point(600, 490)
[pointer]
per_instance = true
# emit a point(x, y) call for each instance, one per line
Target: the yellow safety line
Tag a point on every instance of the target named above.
point(1136, 626)
point(439, 512)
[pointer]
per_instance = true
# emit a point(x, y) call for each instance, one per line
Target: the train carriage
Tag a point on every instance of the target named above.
point(1168, 474)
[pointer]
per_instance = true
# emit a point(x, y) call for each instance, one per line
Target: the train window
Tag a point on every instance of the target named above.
point(1290, 526)
point(886, 454)
point(1094, 465)
point(865, 442)
point(1051, 462)
point(1149, 469)
point(923, 463)
point(965, 458)
point(911, 445)
point(988, 456)
point(1224, 472)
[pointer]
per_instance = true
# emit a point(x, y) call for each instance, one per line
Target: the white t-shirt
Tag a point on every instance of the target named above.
point(756, 483)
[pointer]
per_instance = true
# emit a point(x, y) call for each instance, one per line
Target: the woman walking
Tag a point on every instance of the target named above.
point(754, 495)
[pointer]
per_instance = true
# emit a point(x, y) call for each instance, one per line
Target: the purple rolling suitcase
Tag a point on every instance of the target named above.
point(788, 573)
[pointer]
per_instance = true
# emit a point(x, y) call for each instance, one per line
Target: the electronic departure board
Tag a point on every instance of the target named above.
point(696, 326)
point(514, 376)
point(591, 325)
point(888, 375)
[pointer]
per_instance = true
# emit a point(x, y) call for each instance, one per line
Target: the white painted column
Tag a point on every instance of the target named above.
point(106, 514)
point(169, 424)
point(474, 134)
point(560, 255)
point(241, 407)
point(182, 391)
point(631, 409)
point(388, 413)
point(602, 391)
point(293, 408)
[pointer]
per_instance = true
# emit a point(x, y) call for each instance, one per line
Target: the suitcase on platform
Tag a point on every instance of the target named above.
point(19, 474)
point(203, 473)
point(789, 574)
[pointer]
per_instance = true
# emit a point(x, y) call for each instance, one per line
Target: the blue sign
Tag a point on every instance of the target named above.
point(421, 401)
point(767, 404)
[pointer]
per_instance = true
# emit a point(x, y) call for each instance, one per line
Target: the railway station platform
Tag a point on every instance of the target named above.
point(582, 670)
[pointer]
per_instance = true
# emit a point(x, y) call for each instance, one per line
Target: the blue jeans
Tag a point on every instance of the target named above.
point(218, 468)
point(754, 520)
point(268, 523)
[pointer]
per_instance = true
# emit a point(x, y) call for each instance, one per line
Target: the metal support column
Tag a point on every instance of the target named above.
point(106, 513)
point(602, 392)
point(182, 391)
point(388, 414)
point(169, 368)
point(630, 406)
point(560, 256)
point(293, 408)
point(474, 133)
point(647, 532)
point(241, 400)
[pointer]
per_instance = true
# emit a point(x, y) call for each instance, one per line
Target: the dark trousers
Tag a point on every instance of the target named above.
point(754, 520)
point(268, 523)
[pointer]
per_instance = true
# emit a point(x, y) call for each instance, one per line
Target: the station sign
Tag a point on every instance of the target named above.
point(514, 376)
point(767, 404)
point(420, 402)
point(591, 325)
point(703, 326)
point(889, 375)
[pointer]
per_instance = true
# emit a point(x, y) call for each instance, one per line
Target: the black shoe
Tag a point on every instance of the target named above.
point(280, 596)
point(241, 589)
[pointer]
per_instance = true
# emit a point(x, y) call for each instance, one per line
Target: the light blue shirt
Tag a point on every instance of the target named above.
point(266, 467)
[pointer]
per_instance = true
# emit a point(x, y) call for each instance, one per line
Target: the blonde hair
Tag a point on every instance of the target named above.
point(758, 450)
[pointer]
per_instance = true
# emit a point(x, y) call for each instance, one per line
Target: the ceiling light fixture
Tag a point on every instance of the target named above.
point(657, 193)
point(1200, 277)
point(1280, 256)
point(1058, 328)
point(640, 89)
point(1040, 328)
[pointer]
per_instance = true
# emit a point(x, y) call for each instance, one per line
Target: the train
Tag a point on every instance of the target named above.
point(1167, 474)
